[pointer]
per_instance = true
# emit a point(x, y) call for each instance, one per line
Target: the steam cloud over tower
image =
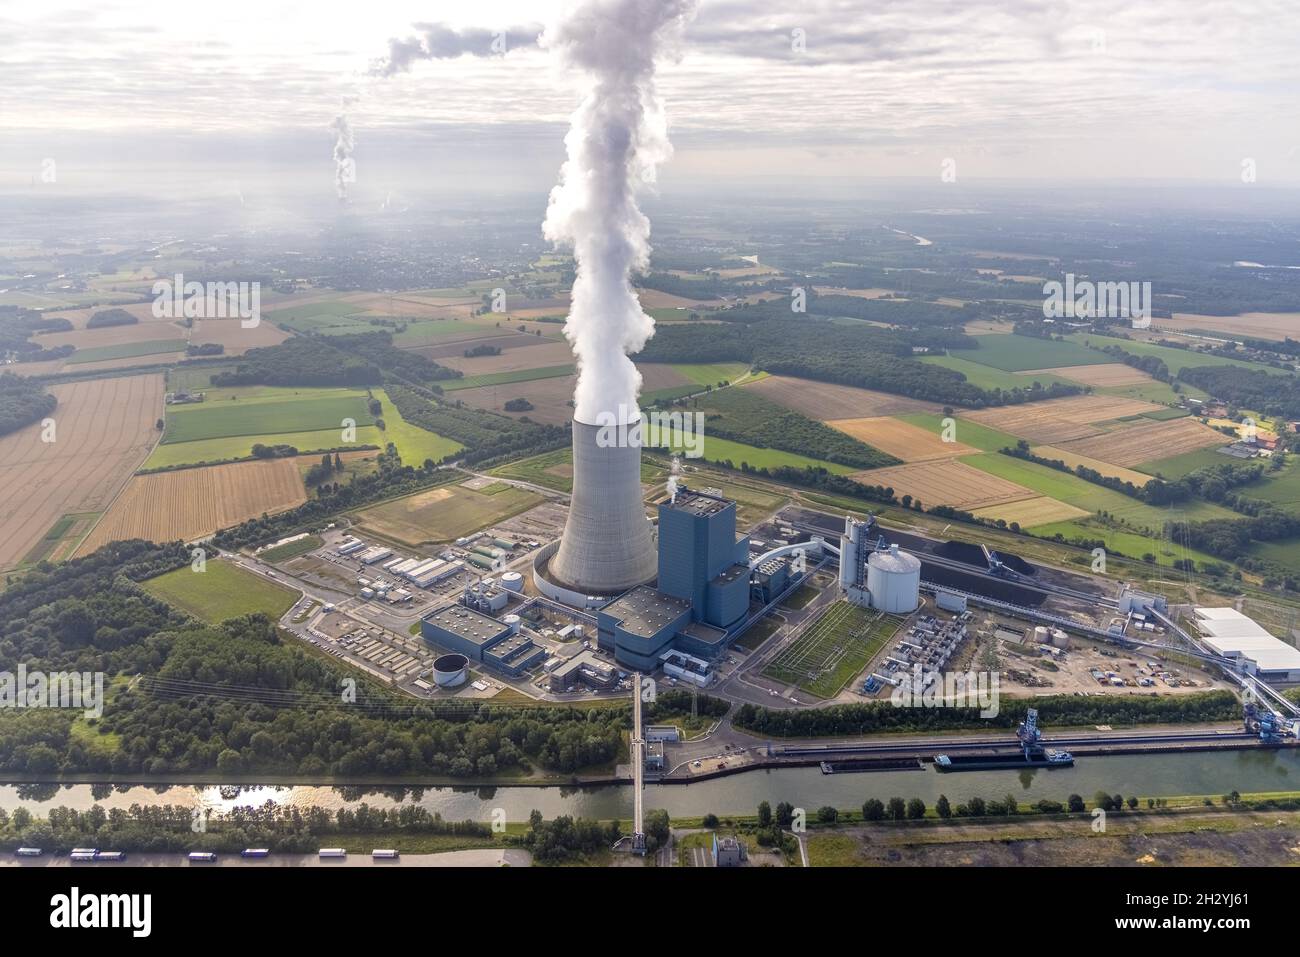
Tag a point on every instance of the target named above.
point(617, 137)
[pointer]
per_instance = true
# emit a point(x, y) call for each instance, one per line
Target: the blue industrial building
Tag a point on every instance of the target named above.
point(703, 587)
point(482, 639)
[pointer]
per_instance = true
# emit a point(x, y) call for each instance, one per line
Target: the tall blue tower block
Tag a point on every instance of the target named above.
point(700, 558)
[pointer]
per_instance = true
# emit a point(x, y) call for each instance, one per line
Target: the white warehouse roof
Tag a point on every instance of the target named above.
point(1231, 633)
point(1220, 614)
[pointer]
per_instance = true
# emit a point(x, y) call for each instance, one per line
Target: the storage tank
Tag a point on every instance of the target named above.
point(450, 671)
point(894, 581)
point(1042, 635)
point(512, 581)
point(513, 622)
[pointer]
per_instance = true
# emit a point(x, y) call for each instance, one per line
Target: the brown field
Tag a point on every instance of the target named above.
point(1146, 441)
point(947, 482)
point(1100, 376)
point(1258, 325)
point(504, 339)
point(824, 400)
point(443, 514)
point(549, 353)
point(903, 440)
point(234, 337)
point(654, 299)
point(986, 327)
point(1059, 420)
point(189, 503)
point(1074, 460)
point(114, 335)
point(141, 310)
point(1032, 511)
point(859, 293)
point(550, 398)
point(104, 430)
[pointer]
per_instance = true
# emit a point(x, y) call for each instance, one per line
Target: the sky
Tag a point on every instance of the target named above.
point(1016, 90)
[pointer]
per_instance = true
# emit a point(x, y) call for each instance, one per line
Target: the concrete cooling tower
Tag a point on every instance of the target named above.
point(606, 547)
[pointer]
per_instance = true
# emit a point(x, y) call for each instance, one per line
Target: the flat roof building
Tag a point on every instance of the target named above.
point(1234, 635)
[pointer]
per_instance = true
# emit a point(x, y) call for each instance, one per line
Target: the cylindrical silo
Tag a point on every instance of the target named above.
point(894, 580)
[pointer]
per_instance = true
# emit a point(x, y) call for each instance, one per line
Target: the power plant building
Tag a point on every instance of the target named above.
point(481, 638)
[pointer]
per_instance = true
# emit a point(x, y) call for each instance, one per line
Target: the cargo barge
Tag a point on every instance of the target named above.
point(1047, 758)
point(853, 765)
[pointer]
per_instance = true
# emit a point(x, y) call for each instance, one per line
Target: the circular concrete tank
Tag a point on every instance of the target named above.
point(512, 581)
point(512, 622)
point(894, 580)
point(449, 671)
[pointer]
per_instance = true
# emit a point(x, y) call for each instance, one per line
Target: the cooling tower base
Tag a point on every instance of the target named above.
point(546, 582)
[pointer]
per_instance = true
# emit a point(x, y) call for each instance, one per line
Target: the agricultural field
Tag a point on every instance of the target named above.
point(221, 591)
point(969, 433)
point(214, 451)
point(833, 650)
point(553, 470)
point(1075, 460)
point(714, 373)
point(103, 430)
point(1058, 420)
point(551, 398)
point(724, 450)
point(224, 416)
point(414, 444)
point(1030, 512)
point(187, 504)
point(127, 350)
point(547, 353)
point(1176, 466)
point(1251, 325)
point(282, 553)
point(1101, 375)
point(899, 438)
point(1133, 445)
point(987, 377)
point(444, 514)
point(949, 482)
point(325, 318)
point(1175, 359)
point(60, 542)
point(1121, 542)
point(485, 379)
point(234, 339)
point(824, 400)
point(1021, 353)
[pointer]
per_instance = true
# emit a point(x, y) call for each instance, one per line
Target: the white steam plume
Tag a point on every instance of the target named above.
point(437, 41)
point(616, 139)
point(344, 143)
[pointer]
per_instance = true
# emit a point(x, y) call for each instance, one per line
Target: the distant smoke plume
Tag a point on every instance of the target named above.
point(616, 139)
point(440, 42)
point(345, 170)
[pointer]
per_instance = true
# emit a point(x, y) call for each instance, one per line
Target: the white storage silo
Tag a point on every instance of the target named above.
point(512, 581)
point(513, 622)
point(894, 581)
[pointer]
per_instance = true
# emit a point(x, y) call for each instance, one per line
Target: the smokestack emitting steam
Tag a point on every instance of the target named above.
point(345, 171)
point(441, 42)
point(617, 137)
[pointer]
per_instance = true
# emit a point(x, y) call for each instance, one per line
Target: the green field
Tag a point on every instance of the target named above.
point(414, 444)
point(967, 433)
point(1175, 467)
point(831, 651)
point(504, 378)
point(1285, 552)
point(987, 377)
point(282, 553)
point(1153, 391)
point(1175, 359)
point(1021, 353)
point(1165, 415)
point(1281, 488)
point(1119, 542)
point(329, 318)
point(722, 450)
point(712, 373)
point(221, 591)
point(445, 513)
point(128, 350)
point(553, 470)
point(241, 446)
point(423, 332)
point(311, 411)
point(184, 378)
point(1065, 487)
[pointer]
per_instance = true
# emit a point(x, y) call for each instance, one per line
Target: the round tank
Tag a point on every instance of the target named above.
point(512, 581)
point(894, 580)
point(450, 670)
point(513, 622)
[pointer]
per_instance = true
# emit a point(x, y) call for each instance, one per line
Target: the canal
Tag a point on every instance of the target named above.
point(1211, 773)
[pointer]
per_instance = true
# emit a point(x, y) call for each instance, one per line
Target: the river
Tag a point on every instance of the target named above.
point(1211, 773)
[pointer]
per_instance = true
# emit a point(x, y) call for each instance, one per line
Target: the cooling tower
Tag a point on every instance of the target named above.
point(606, 546)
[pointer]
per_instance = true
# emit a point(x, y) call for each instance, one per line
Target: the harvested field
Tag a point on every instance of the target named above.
point(1059, 420)
point(443, 514)
point(1101, 376)
point(1032, 511)
point(911, 443)
point(1257, 325)
point(1139, 443)
point(114, 335)
point(103, 431)
point(947, 482)
point(501, 338)
point(1074, 460)
point(874, 293)
point(550, 398)
point(189, 503)
point(234, 337)
point(549, 353)
point(824, 400)
point(79, 317)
